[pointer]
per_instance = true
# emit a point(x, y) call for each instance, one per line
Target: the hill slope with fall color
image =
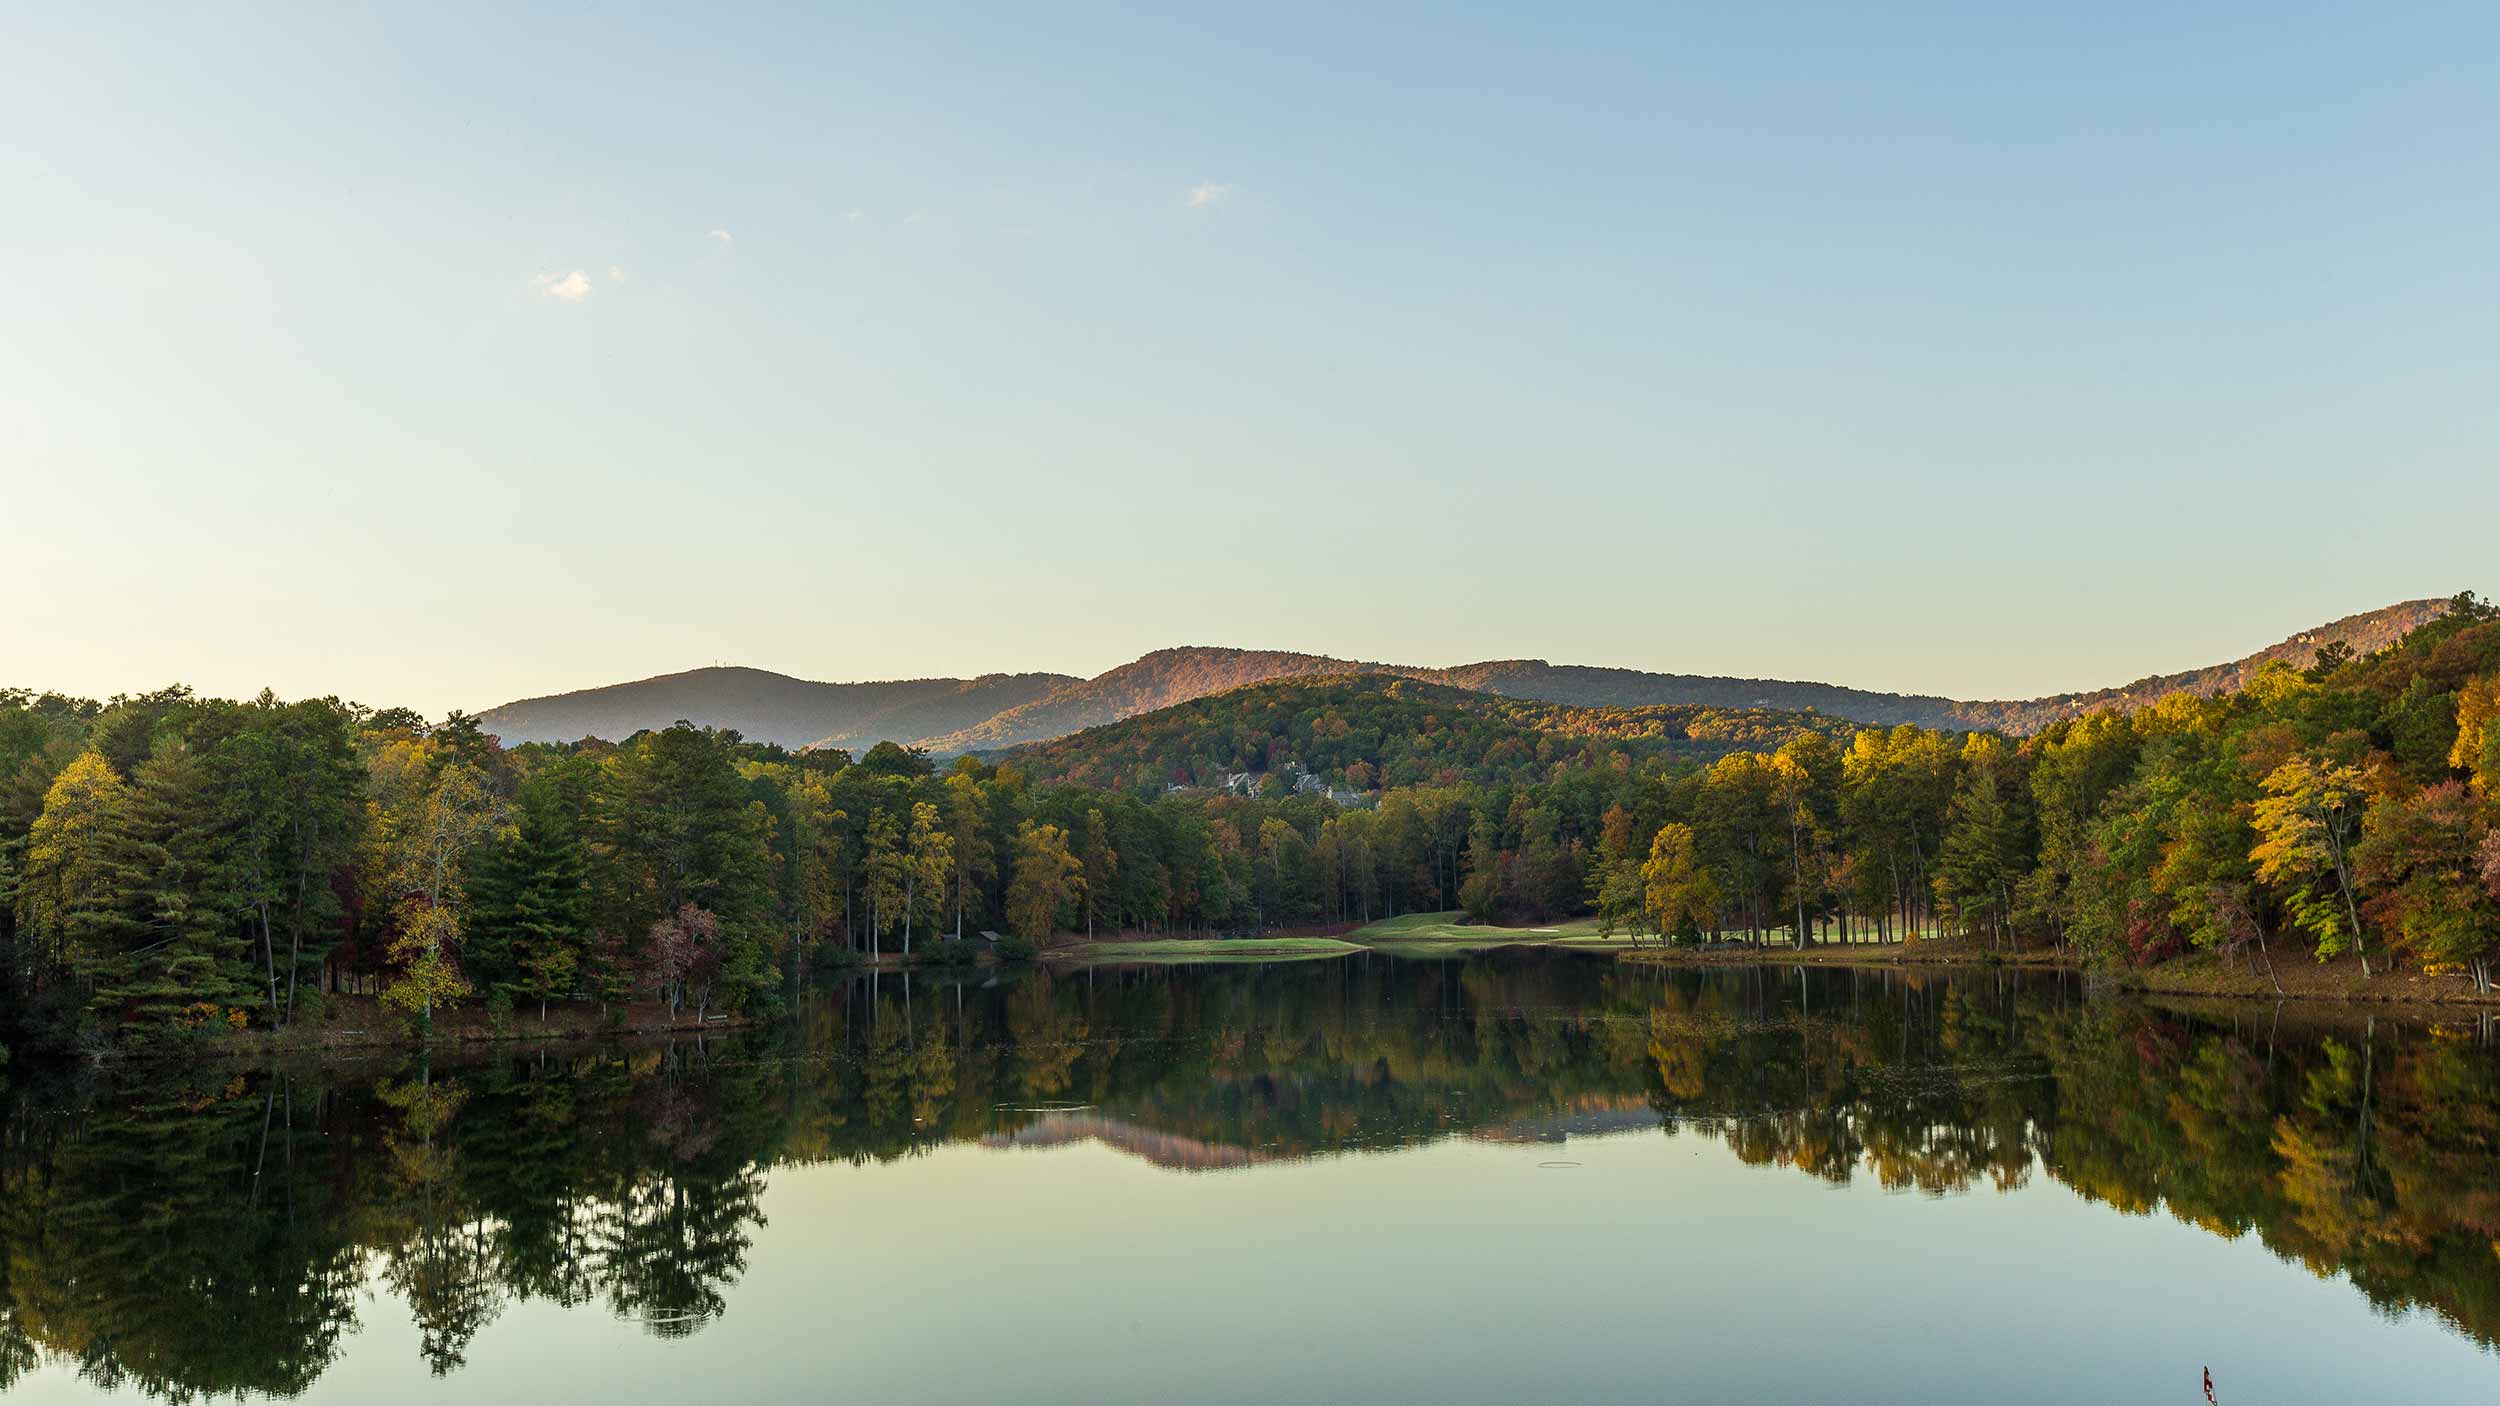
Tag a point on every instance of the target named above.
point(1145, 685)
point(1374, 730)
point(2363, 634)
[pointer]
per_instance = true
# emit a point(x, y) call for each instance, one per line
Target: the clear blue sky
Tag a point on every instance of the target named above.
point(442, 354)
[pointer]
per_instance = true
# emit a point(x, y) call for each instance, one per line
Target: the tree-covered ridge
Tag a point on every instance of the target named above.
point(2364, 633)
point(2358, 635)
point(189, 1230)
point(1370, 732)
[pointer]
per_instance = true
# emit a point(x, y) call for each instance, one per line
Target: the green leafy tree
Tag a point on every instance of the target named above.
point(1987, 839)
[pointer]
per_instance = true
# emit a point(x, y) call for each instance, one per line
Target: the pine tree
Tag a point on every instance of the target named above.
point(533, 904)
point(189, 953)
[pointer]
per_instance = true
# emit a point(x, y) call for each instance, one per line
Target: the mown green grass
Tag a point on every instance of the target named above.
point(1446, 930)
point(1219, 949)
point(1414, 935)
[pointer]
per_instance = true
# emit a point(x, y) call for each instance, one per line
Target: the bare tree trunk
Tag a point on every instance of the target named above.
point(268, 952)
point(295, 939)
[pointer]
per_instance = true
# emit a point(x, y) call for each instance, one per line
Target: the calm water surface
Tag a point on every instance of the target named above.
point(1512, 1177)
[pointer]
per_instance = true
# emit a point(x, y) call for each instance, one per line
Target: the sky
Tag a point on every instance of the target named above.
point(440, 355)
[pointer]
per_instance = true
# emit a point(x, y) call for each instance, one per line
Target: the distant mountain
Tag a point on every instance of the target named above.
point(998, 711)
point(770, 707)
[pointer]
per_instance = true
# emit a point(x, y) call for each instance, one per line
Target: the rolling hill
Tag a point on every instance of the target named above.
point(998, 711)
point(770, 707)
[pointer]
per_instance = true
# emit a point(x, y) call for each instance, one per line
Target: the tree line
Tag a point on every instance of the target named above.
point(170, 863)
point(2352, 806)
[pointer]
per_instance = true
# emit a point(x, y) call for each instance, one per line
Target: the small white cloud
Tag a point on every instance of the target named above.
point(854, 216)
point(566, 287)
point(722, 235)
point(615, 274)
point(1206, 193)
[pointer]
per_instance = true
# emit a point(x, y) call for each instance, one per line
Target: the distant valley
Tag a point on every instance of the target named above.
point(993, 712)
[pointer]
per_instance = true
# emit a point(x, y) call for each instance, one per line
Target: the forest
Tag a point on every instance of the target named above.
point(1373, 732)
point(172, 866)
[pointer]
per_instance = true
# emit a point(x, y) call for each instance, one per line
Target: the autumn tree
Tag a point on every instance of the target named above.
point(1678, 892)
point(2306, 825)
point(446, 820)
point(928, 862)
point(966, 813)
point(1102, 869)
point(887, 867)
point(1048, 879)
point(2420, 855)
point(78, 869)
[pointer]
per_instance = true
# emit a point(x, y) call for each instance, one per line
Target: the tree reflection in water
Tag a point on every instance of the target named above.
point(195, 1233)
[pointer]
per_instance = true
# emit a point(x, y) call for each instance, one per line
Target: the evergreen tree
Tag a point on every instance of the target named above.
point(533, 902)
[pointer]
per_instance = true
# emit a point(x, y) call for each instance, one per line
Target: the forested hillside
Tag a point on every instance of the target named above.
point(1366, 732)
point(1590, 686)
point(997, 711)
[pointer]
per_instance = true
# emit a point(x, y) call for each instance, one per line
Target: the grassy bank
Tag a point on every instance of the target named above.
point(1205, 949)
point(2292, 976)
point(1452, 931)
point(1933, 952)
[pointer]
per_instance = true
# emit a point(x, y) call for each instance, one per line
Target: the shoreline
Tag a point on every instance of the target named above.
point(2196, 975)
point(362, 1027)
point(2294, 977)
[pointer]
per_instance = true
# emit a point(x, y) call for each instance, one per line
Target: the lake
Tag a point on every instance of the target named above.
point(1514, 1176)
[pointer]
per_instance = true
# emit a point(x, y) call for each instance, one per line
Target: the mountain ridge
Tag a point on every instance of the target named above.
point(768, 707)
point(993, 712)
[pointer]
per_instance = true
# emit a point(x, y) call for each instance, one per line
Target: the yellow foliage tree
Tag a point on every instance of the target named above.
point(1677, 890)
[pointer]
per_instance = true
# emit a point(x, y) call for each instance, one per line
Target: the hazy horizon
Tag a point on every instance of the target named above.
point(452, 357)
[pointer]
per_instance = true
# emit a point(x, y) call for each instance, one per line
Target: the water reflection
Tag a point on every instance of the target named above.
point(210, 1233)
